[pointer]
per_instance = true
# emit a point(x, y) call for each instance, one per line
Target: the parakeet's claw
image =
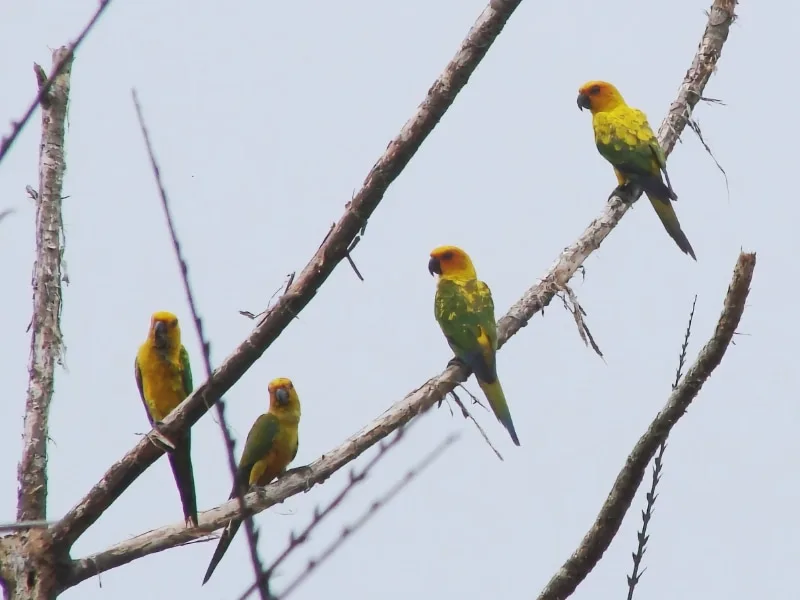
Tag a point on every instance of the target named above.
point(456, 362)
point(305, 471)
point(190, 523)
point(161, 440)
point(622, 191)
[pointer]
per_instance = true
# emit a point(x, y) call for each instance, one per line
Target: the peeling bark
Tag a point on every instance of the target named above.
point(27, 559)
point(46, 341)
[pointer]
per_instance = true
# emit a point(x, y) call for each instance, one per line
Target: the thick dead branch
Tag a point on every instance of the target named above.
point(46, 82)
point(304, 287)
point(605, 527)
point(28, 562)
point(418, 401)
point(46, 342)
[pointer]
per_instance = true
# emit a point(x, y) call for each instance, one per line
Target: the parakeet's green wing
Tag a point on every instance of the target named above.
point(258, 444)
point(186, 372)
point(138, 374)
point(465, 313)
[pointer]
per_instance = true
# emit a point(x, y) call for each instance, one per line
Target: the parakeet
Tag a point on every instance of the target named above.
point(271, 445)
point(625, 139)
point(164, 378)
point(465, 311)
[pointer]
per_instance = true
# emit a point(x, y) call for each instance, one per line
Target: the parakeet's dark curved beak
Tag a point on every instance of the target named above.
point(584, 102)
point(282, 395)
point(160, 334)
point(434, 266)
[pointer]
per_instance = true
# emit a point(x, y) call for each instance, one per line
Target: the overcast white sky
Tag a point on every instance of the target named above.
point(265, 118)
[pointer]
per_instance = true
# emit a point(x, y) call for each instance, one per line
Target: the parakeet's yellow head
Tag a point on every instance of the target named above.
point(165, 333)
point(283, 398)
point(599, 96)
point(451, 262)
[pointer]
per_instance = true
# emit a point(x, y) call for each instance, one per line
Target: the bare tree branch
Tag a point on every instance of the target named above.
point(46, 342)
point(46, 82)
point(28, 562)
point(304, 287)
point(605, 527)
point(416, 402)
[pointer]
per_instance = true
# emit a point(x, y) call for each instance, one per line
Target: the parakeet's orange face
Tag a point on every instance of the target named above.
point(450, 261)
point(598, 96)
point(282, 394)
point(164, 330)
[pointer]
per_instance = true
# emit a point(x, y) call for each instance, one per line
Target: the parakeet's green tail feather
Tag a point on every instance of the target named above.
point(224, 541)
point(497, 400)
point(670, 221)
point(181, 463)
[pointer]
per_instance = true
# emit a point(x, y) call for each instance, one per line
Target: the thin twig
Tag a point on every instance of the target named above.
point(46, 83)
point(295, 541)
point(658, 463)
point(570, 300)
point(21, 525)
point(608, 521)
point(467, 415)
point(252, 534)
point(349, 530)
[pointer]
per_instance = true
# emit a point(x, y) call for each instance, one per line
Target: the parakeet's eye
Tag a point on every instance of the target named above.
point(594, 90)
point(447, 255)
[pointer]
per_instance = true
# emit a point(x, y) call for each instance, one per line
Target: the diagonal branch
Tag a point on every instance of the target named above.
point(605, 527)
point(45, 82)
point(46, 341)
point(331, 252)
point(418, 401)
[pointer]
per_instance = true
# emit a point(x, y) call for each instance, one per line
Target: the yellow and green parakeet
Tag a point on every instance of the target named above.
point(465, 311)
point(624, 138)
point(164, 379)
point(271, 445)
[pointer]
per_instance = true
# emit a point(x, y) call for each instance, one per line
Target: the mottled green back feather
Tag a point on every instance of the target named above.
point(624, 138)
point(465, 312)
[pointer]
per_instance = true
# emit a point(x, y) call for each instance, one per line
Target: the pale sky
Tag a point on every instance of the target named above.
point(265, 118)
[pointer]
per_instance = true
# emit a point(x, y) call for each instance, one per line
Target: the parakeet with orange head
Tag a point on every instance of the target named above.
point(464, 308)
point(624, 138)
point(271, 445)
point(164, 379)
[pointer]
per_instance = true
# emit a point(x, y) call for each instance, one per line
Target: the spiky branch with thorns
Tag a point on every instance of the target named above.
point(641, 536)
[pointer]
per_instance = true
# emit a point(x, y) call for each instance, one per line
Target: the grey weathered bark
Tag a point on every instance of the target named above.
point(27, 565)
